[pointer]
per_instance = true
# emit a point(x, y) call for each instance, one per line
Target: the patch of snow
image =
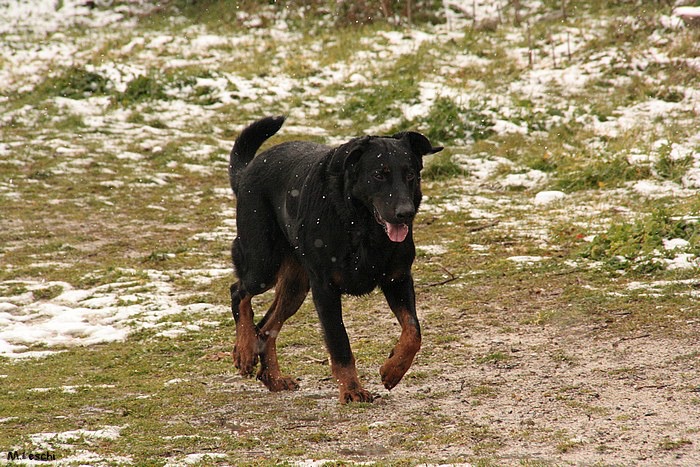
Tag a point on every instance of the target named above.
point(656, 189)
point(73, 389)
point(680, 152)
point(671, 22)
point(197, 168)
point(481, 166)
point(100, 314)
point(529, 179)
point(628, 118)
point(52, 440)
point(175, 381)
point(432, 249)
point(691, 179)
point(527, 259)
point(682, 261)
point(656, 285)
point(675, 243)
point(547, 197)
point(689, 14)
point(503, 127)
point(44, 20)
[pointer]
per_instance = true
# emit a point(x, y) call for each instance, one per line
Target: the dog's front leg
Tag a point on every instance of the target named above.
point(401, 297)
point(329, 308)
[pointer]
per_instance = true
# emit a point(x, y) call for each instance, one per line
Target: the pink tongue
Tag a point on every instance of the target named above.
point(396, 232)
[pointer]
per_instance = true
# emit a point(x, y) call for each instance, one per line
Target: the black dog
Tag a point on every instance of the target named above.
point(336, 220)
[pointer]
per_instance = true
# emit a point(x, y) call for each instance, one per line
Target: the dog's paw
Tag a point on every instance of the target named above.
point(278, 383)
point(245, 361)
point(355, 395)
point(392, 371)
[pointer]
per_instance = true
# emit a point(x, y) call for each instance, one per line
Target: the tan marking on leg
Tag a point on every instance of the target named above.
point(290, 291)
point(244, 355)
point(349, 385)
point(269, 372)
point(401, 357)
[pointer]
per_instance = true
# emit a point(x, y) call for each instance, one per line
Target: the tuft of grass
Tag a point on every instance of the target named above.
point(48, 293)
point(494, 358)
point(449, 122)
point(442, 167)
point(639, 245)
point(604, 173)
point(670, 168)
point(75, 83)
point(140, 89)
point(398, 86)
point(669, 444)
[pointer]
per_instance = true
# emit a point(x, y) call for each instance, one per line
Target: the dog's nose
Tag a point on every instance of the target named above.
point(405, 213)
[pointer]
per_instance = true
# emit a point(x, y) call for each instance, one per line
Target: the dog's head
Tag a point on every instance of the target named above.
point(383, 174)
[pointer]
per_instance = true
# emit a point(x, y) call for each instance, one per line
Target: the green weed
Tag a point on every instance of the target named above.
point(668, 444)
point(495, 357)
point(48, 293)
point(441, 167)
point(604, 173)
point(449, 122)
point(669, 168)
point(398, 85)
point(75, 83)
point(639, 245)
point(140, 89)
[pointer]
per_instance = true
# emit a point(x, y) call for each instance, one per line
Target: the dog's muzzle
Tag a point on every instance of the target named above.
point(395, 232)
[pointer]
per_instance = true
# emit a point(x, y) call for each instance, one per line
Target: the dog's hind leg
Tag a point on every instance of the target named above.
point(402, 300)
point(256, 262)
point(244, 355)
point(290, 291)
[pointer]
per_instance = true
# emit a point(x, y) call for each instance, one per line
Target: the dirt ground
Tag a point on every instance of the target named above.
point(514, 394)
point(582, 397)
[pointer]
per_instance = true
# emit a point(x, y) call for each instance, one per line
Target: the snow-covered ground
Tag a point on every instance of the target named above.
point(36, 42)
point(101, 314)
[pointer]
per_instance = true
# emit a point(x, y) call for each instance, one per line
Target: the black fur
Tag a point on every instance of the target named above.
point(337, 219)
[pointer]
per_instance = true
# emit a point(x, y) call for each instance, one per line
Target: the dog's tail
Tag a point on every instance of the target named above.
point(248, 143)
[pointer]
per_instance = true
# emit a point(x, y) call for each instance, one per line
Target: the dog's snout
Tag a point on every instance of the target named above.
point(405, 212)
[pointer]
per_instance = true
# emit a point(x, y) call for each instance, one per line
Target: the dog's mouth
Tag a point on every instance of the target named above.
point(395, 232)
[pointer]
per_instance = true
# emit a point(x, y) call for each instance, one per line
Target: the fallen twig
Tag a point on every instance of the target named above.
point(623, 339)
point(443, 282)
point(478, 228)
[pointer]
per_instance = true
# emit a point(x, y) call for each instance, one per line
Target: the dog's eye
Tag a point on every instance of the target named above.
point(410, 176)
point(379, 176)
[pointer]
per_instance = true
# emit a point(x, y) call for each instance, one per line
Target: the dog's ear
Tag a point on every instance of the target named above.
point(347, 154)
point(419, 143)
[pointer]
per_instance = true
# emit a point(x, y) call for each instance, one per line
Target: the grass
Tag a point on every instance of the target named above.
point(639, 246)
point(398, 87)
point(442, 167)
point(74, 83)
point(144, 191)
point(448, 122)
point(140, 89)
